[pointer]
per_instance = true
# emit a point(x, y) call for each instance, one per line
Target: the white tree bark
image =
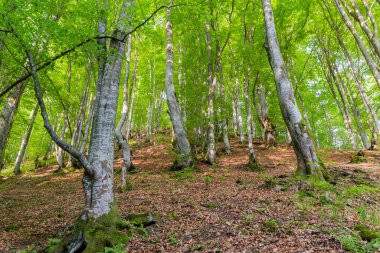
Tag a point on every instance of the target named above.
point(25, 141)
point(127, 161)
point(87, 128)
point(307, 159)
point(211, 80)
point(370, 61)
point(252, 156)
point(128, 124)
point(99, 186)
point(238, 108)
point(6, 117)
point(184, 158)
point(358, 16)
point(60, 152)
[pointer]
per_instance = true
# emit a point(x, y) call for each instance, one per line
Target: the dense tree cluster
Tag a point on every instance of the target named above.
point(109, 72)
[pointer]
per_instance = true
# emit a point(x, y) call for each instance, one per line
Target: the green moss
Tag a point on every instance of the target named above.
point(127, 187)
point(207, 180)
point(182, 162)
point(352, 243)
point(184, 174)
point(271, 225)
point(11, 228)
point(98, 234)
point(319, 184)
point(140, 219)
point(366, 233)
point(255, 167)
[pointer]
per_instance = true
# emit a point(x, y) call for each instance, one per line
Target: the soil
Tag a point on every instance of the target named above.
point(220, 208)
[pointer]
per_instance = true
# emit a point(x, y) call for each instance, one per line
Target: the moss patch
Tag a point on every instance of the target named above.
point(366, 233)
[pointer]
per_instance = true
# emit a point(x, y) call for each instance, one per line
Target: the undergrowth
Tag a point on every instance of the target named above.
point(351, 202)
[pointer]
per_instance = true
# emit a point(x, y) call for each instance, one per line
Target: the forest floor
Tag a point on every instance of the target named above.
point(221, 208)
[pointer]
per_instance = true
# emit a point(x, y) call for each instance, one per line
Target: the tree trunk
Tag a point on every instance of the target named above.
point(60, 152)
point(300, 96)
point(128, 124)
point(331, 80)
point(238, 109)
point(90, 117)
point(79, 123)
point(25, 141)
point(355, 73)
point(98, 187)
point(6, 117)
point(357, 115)
point(158, 115)
point(252, 157)
point(339, 83)
point(223, 115)
point(358, 16)
point(127, 162)
point(374, 141)
point(98, 175)
point(184, 158)
point(149, 124)
point(211, 80)
point(371, 63)
point(308, 163)
point(234, 116)
point(267, 126)
point(329, 129)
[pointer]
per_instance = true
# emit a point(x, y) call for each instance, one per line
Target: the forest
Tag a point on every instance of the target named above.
point(189, 126)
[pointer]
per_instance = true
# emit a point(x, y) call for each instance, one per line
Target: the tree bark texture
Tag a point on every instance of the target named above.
point(127, 161)
point(184, 157)
point(6, 117)
point(307, 160)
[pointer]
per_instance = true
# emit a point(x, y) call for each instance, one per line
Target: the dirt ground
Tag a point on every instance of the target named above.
point(219, 208)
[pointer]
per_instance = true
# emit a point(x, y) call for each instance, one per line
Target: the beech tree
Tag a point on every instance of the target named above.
point(314, 84)
point(307, 160)
point(184, 158)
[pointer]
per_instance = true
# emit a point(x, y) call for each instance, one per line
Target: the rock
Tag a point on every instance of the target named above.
point(145, 219)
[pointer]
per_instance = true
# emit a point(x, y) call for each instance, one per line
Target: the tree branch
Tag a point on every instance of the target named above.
point(60, 55)
point(66, 147)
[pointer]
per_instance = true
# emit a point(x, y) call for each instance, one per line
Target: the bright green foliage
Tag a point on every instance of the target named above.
point(303, 28)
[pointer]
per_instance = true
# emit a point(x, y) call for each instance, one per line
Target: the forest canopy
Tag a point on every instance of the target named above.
point(85, 82)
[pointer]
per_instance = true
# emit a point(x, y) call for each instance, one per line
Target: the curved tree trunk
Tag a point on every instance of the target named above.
point(184, 158)
point(308, 163)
